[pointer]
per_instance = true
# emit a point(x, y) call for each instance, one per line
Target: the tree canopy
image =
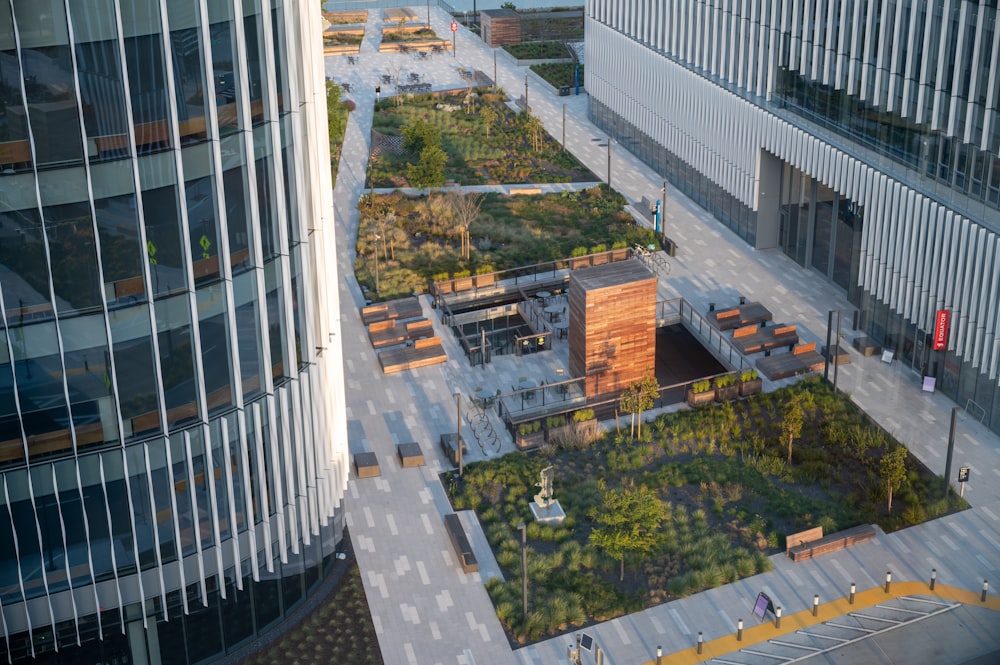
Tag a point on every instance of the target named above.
point(628, 522)
point(429, 171)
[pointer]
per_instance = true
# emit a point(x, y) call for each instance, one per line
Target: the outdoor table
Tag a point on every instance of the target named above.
point(561, 328)
point(544, 295)
point(484, 396)
point(552, 310)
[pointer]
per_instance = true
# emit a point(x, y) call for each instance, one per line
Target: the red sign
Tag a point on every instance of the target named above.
point(941, 329)
point(454, 26)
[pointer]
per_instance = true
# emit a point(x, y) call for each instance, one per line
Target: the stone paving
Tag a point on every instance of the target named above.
point(426, 611)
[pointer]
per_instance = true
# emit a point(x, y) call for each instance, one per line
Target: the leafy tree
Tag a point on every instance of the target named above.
point(429, 171)
point(792, 419)
point(628, 522)
point(418, 134)
point(466, 207)
point(336, 118)
point(637, 398)
point(892, 468)
point(489, 117)
point(535, 130)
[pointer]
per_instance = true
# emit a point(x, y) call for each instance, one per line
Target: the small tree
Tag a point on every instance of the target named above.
point(629, 403)
point(418, 134)
point(429, 171)
point(628, 522)
point(489, 117)
point(647, 389)
point(466, 206)
point(792, 419)
point(535, 130)
point(892, 468)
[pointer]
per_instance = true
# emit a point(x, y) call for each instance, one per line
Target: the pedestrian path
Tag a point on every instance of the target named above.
point(426, 611)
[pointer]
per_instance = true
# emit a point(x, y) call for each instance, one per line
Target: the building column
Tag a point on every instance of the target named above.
point(768, 197)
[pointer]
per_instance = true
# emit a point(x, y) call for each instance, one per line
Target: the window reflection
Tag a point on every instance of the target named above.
point(52, 108)
point(24, 280)
point(73, 253)
point(121, 251)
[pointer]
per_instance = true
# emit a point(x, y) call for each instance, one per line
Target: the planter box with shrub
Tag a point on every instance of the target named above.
point(700, 392)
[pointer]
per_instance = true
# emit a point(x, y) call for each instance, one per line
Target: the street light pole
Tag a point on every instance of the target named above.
point(496, 84)
point(524, 571)
point(458, 433)
point(525, 93)
point(609, 162)
point(951, 451)
point(375, 248)
point(564, 128)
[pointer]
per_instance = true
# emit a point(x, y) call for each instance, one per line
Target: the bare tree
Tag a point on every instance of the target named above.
point(466, 206)
point(535, 129)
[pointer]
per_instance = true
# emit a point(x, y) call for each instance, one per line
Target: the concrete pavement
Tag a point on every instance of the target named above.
point(426, 611)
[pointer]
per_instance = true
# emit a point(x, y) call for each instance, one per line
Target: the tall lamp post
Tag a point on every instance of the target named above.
point(607, 145)
point(524, 571)
point(526, 93)
point(376, 237)
point(458, 432)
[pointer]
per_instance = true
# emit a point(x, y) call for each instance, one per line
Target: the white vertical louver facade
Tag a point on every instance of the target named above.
point(707, 81)
point(173, 446)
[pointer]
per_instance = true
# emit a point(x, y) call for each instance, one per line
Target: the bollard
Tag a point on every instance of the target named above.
point(777, 617)
point(933, 578)
point(739, 630)
point(598, 656)
point(659, 654)
point(986, 587)
point(853, 589)
point(888, 580)
point(815, 604)
point(701, 643)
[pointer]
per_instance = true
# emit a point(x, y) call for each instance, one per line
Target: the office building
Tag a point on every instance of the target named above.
point(172, 421)
point(860, 138)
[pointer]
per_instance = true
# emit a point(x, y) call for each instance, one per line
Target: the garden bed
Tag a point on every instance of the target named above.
point(728, 494)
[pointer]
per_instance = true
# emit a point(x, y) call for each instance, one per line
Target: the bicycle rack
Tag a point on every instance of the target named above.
point(482, 428)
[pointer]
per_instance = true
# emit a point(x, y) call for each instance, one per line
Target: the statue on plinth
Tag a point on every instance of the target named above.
point(544, 497)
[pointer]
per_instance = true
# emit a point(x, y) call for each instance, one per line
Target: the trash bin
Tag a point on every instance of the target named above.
point(564, 91)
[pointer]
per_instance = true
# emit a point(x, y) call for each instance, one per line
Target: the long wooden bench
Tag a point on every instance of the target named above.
point(460, 542)
point(803, 359)
point(387, 333)
point(404, 308)
point(754, 339)
point(423, 353)
point(832, 543)
point(739, 316)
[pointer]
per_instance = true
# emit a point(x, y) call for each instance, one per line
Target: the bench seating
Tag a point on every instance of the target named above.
point(832, 543)
point(410, 455)
point(387, 333)
point(366, 465)
point(867, 346)
point(754, 339)
point(423, 353)
point(404, 308)
point(460, 542)
point(803, 359)
point(739, 316)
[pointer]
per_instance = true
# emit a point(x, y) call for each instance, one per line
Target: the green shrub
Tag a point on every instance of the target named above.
point(583, 415)
point(748, 375)
point(702, 386)
point(725, 381)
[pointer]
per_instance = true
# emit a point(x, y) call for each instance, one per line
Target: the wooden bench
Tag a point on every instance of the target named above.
point(754, 339)
point(867, 346)
point(450, 449)
point(404, 308)
point(802, 360)
point(387, 333)
point(423, 353)
point(525, 191)
point(366, 465)
point(832, 543)
point(460, 542)
point(410, 454)
point(741, 315)
point(807, 536)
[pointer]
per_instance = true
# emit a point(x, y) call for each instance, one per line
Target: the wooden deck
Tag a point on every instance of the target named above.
point(754, 339)
point(423, 353)
point(803, 359)
point(739, 316)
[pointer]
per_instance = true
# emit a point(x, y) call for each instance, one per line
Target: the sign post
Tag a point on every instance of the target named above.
point(963, 477)
point(454, 29)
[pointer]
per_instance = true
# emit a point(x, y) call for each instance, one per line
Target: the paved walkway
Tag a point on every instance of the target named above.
point(426, 611)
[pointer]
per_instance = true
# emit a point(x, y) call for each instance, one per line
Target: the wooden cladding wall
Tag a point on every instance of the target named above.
point(612, 325)
point(500, 26)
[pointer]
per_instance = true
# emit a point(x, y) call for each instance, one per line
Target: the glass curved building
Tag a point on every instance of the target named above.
point(172, 429)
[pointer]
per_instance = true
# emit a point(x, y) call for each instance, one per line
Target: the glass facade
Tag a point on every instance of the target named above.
point(145, 171)
point(862, 138)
